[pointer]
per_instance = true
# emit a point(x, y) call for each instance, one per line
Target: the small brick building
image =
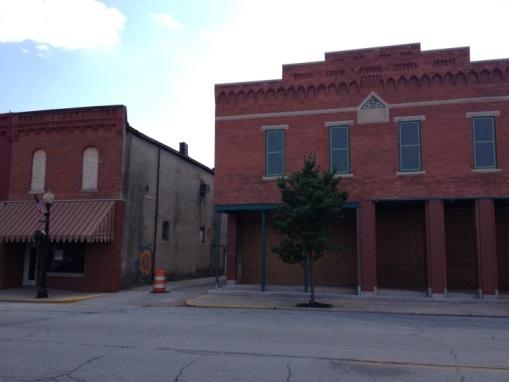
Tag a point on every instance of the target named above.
point(420, 140)
point(123, 200)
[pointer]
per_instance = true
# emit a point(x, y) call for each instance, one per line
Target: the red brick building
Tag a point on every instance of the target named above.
point(420, 140)
point(113, 219)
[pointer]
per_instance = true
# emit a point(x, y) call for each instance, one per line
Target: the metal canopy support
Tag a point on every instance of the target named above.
point(263, 276)
point(218, 247)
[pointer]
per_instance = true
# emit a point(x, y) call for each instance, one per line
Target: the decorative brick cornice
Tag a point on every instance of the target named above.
point(94, 117)
point(388, 69)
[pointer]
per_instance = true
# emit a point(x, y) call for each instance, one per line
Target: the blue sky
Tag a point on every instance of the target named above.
point(161, 58)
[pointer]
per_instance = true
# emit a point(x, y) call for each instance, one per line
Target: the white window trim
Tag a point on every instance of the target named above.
point(90, 161)
point(409, 118)
point(41, 175)
point(473, 114)
point(339, 123)
point(486, 170)
point(274, 127)
point(410, 173)
point(493, 142)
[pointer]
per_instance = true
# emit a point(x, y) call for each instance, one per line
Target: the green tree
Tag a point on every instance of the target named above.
point(311, 204)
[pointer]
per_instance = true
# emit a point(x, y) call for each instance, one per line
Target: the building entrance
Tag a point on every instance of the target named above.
point(30, 266)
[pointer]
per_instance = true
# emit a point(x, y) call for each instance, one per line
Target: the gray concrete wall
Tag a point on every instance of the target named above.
point(178, 201)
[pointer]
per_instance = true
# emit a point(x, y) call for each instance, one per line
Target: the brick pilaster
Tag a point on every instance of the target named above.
point(367, 246)
point(486, 246)
point(435, 247)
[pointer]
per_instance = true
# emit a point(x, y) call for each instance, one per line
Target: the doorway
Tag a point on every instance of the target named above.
point(30, 266)
point(400, 246)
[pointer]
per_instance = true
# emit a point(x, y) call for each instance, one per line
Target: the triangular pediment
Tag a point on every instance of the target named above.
point(373, 109)
point(373, 101)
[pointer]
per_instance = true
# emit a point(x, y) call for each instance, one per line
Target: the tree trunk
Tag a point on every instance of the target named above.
point(306, 272)
point(311, 283)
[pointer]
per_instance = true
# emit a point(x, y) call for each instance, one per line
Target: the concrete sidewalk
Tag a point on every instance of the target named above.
point(342, 300)
point(58, 296)
point(55, 296)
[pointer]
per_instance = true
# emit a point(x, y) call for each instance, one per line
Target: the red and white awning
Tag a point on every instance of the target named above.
point(70, 221)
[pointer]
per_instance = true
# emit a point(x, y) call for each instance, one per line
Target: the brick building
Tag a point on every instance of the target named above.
point(122, 200)
point(421, 142)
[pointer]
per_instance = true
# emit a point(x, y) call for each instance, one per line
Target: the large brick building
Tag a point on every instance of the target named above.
point(122, 200)
point(421, 142)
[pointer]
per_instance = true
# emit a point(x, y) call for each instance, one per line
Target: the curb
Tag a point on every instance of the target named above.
point(63, 300)
point(190, 303)
point(193, 304)
point(355, 297)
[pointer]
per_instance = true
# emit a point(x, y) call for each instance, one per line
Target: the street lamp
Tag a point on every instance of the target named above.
point(48, 199)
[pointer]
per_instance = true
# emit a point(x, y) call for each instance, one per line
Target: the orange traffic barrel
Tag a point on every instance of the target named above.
point(160, 281)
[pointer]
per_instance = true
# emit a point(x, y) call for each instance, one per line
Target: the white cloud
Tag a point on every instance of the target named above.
point(26, 51)
point(77, 24)
point(167, 20)
point(42, 47)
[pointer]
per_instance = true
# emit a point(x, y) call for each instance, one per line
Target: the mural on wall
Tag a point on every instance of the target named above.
point(144, 264)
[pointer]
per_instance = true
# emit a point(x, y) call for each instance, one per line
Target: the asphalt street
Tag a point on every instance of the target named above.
point(138, 336)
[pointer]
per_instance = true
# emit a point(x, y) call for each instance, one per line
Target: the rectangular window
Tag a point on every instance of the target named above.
point(339, 143)
point(410, 146)
point(485, 155)
point(202, 234)
point(275, 153)
point(67, 258)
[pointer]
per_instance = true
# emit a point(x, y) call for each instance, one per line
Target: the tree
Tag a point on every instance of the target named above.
point(311, 204)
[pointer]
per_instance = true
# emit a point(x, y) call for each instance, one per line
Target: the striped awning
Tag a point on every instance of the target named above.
point(70, 221)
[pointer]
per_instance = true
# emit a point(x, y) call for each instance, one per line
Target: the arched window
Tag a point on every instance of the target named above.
point(38, 171)
point(90, 169)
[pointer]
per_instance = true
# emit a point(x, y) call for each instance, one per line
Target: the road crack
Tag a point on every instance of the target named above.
point(289, 370)
point(187, 365)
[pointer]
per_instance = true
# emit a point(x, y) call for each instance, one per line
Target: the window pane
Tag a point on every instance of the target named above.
point(90, 169)
point(38, 171)
point(410, 158)
point(274, 140)
point(67, 258)
point(484, 154)
point(166, 230)
point(339, 160)
point(409, 133)
point(483, 129)
point(274, 164)
point(339, 137)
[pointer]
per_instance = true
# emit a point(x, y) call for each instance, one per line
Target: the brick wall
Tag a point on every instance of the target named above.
point(5, 155)
point(403, 77)
point(12, 257)
point(64, 135)
point(102, 263)
point(335, 268)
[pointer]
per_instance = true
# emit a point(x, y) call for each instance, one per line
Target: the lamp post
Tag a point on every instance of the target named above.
point(42, 292)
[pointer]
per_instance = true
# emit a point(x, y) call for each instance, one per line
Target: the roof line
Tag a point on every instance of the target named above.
point(66, 109)
point(247, 82)
point(138, 133)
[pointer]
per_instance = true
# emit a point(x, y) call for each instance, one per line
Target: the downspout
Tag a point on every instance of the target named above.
point(156, 219)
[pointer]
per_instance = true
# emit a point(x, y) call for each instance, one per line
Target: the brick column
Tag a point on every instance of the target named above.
point(486, 246)
point(2, 267)
point(435, 248)
point(231, 252)
point(366, 232)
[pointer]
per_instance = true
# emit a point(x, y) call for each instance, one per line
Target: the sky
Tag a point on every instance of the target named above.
point(161, 58)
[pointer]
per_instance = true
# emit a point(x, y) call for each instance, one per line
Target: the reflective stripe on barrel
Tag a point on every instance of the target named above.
point(160, 281)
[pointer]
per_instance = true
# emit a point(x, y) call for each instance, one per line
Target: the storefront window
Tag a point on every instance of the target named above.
point(67, 258)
